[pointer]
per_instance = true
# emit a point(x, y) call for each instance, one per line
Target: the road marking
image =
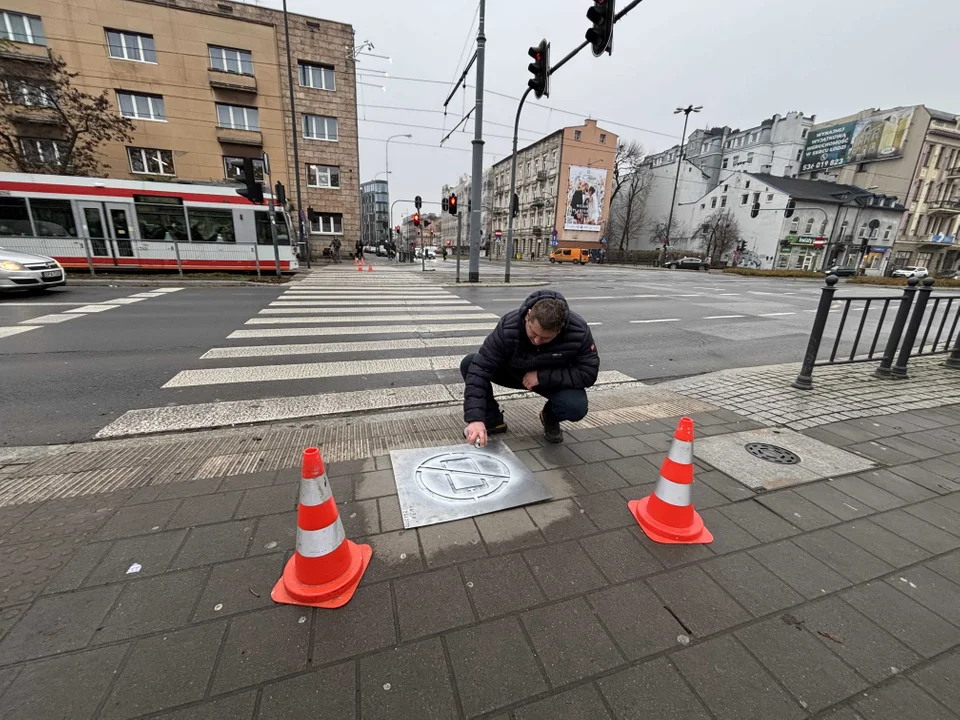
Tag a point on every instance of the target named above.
point(722, 317)
point(346, 347)
point(127, 301)
point(16, 330)
point(167, 290)
point(729, 294)
point(594, 323)
point(644, 296)
point(359, 330)
point(50, 319)
point(42, 304)
point(320, 311)
point(311, 371)
point(93, 308)
point(363, 295)
point(321, 319)
point(660, 320)
point(686, 296)
point(282, 302)
point(778, 314)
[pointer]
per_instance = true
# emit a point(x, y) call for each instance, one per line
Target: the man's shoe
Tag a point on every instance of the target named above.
point(551, 430)
point(496, 427)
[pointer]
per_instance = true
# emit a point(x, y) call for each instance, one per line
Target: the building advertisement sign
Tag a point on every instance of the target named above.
point(943, 239)
point(876, 137)
point(801, 239)
point(585, 192)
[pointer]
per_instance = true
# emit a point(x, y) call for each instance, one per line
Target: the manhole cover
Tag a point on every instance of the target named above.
point(772, 453)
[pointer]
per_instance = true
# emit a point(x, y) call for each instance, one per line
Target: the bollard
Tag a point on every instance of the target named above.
point(804, 380)
point(884, 368)
point(899, 371)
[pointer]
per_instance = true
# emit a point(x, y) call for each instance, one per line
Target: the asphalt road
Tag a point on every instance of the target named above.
point(243, 354)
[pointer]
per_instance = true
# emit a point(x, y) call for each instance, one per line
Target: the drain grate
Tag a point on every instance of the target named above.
point(772, 453)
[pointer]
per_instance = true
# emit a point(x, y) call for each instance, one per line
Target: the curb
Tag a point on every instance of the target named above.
point(171, 282)
point(536, 283)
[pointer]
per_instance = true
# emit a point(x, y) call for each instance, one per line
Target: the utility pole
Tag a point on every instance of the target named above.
point(459, 228)
point(271, 208)
point(301, 236)
point(683, 138)
point(476, 191)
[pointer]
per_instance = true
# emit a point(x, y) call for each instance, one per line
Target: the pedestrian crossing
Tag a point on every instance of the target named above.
point(336, 342)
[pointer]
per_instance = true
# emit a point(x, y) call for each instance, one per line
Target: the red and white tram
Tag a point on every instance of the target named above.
point(83, 222)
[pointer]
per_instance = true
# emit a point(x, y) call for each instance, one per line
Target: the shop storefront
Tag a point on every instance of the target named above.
point(799, 252)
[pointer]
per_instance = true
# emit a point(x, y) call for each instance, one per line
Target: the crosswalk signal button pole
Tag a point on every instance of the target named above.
point(602, 14)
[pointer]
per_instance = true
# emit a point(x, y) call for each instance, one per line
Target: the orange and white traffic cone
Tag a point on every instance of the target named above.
point(359, 268)
point(326, 568)
point(667, 515)
point(369, 268)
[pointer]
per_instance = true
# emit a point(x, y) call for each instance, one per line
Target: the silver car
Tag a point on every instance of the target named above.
point(20, 271)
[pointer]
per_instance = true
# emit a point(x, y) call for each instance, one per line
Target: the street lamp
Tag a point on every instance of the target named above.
point(683, 138)
point(386, 152)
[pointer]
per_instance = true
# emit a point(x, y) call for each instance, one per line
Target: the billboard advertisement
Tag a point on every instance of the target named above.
point(586, 188)
point(876, 137)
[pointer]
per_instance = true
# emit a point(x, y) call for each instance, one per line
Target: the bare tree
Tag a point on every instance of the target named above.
point(48, 126)
point(627, 162)
point(720, 233)
point(628, 217)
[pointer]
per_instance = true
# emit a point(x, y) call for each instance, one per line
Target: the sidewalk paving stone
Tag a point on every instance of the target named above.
point(917, 531)
point(389, 512)
point(268, 500)
point(930, 590)
point(751, 584)
point(430, 603)
point(938, 515)
point(239, 585)
point(135, 520)
point(594, 451)
point(947, 565)
point(494, 666)
point(636, 470)
point(898, 485)
point(607, 510)
point(451, 542)
point(28, 568)
point(863, 491)
point(581, 702)
point(153, 553)
point(861, 643)
point(561, 520)
point(394, 555)
point(274, 534)
point(834, 501)
point(882, 543)
point(247, 481)
point(700, 603)
point(799, 569)
point(727, 535)
point(164, 671)
point(563, 570)
point(359, 517)
point(759, 521)
point(501, 585)
point(898, 700)
point(205, 510)
point(560, 482)
point(812, 674)
point(215, 543)
point(797, 510)
point(508, 530)
point(72, 517)
point(732, 684)
point(843, 556)
point(636, 620)
point(627, 446)
point(723, 484)
point(620, 556)
point(941, 679)
point(75, 571)
point(596, 477)
point(375, 484)
point(364, 624)
point(570, 642)
point(328, 694)
point(69, 686)
point(652, 690)
point(407, 682)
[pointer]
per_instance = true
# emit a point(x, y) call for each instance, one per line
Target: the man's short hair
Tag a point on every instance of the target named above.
point(550, 313)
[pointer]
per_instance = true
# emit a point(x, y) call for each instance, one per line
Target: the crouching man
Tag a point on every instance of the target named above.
point(543, 347)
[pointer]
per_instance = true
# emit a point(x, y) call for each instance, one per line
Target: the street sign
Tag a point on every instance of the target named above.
point(499, 234)
point(819, 242)
point(554, 235)
point(604, 239)
point(554, 242)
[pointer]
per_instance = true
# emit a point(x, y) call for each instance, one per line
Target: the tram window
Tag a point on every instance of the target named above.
point(211, 225)
point(14, 220)
point(53, 218)
point(162, 222)
point(263, 229)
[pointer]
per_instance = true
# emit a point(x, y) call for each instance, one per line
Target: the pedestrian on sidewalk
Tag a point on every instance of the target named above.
point(443, 251)
point(543, 347)
point(358, 250)
point(336, 245)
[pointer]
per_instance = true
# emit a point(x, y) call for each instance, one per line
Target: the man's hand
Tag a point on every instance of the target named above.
point(530, 380)
point(476, 431)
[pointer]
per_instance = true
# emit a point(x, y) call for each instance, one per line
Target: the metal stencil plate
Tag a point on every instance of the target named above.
point(441, 484)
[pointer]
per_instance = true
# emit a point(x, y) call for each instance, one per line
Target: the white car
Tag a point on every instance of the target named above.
point(21, 271)
point(910, 271)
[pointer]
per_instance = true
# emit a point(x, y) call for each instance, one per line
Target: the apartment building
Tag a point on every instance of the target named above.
point(564, 181)
point(911, 153)
point(463, 189)
point(206, 84)
point(374, 212)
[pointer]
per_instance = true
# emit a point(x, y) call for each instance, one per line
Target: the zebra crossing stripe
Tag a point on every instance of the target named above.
point(250, 351)
point(321, 319)
point(314, 310)
point(283, 302)
point(359, 330)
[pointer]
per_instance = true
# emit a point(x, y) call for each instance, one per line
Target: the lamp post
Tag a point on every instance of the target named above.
point(683, 138)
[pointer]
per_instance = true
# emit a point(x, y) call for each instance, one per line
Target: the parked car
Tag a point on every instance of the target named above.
point(580, 256)
point(841, 271)
point(689, 263)
point(21, 271)
point(381, 250)
point(910, 271)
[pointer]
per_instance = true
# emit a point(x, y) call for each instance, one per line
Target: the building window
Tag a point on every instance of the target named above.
point(233, 168)
point(746, 185)
point(723, 201)
point(808, 228)
point(327, 224)
point(795, 226)
point(749, 157)
point(323, 176)
point(799, 155)
point(744, 199)
point(42, 151)
point(726, 162)
point(238, 117)
point(803, 135)
point(713, 203)
point(843, 229)
point(863, 230)
point(21, 28)
point(21, 92)
point(887, 232)
point(131, 46)
point(150, 161)
point(319, 77)
point(770, 197)
point(140, 106)
point(736, 159)
point(319, 127)
point(238, 62)
point(756, 197)
point(576, 134)
point(603, 138)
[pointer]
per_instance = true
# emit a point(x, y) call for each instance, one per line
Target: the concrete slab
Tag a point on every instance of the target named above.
point(817, 460)
point(455, 482)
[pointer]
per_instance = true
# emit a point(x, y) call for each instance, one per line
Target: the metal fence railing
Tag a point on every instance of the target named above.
point(889, 329)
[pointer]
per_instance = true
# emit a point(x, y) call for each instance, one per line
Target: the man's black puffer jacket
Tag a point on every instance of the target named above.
point(570, 360)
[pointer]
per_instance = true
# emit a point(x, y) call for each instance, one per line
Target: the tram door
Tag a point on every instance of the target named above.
point(107, 227)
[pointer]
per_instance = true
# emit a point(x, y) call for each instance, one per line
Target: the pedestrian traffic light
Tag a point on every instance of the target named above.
point(397, 228)
point(452, 204)
point(280, 195)
point(416, 219)
point(755, 210)
point(791, 206)
point(515, 205)
point(253, 190)
point(540, 67)
point(602, 14)
point(444, 204)
point(417, 202)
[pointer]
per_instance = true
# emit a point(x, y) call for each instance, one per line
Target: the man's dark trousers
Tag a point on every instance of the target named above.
point(562, 404)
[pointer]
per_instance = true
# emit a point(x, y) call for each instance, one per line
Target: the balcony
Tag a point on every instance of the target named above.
point(239, 137)
point(541, 175)
point(34, 115)
point(953, 173)
point(24, 52)
point(232, 81)
point(537, 229)
point(944, 207)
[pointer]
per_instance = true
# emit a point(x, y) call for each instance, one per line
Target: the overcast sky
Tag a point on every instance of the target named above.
point(743, 60)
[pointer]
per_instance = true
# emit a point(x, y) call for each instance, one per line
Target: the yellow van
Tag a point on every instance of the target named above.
point(574, 255)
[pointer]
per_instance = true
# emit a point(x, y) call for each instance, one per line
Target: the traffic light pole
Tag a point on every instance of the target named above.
point(513, 185)
point(301, 234)
point(476, 191)
point(459, 229)
point(271, 208)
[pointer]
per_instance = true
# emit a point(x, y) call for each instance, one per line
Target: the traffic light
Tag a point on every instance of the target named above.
point(755, 210)
point(515, 205)
point(452, 204)
point(540, 67)
point(397, 228)
point(416, 219)
point(417, 202)
point(791, 206)
point(602, 14)
point(280, 194)
point(254, 189)
point(444, 204)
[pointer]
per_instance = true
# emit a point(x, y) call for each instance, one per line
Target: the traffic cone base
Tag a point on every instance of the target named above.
point(369, 268)
point(333, 594)
point(359, 268)
point(694, 534)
